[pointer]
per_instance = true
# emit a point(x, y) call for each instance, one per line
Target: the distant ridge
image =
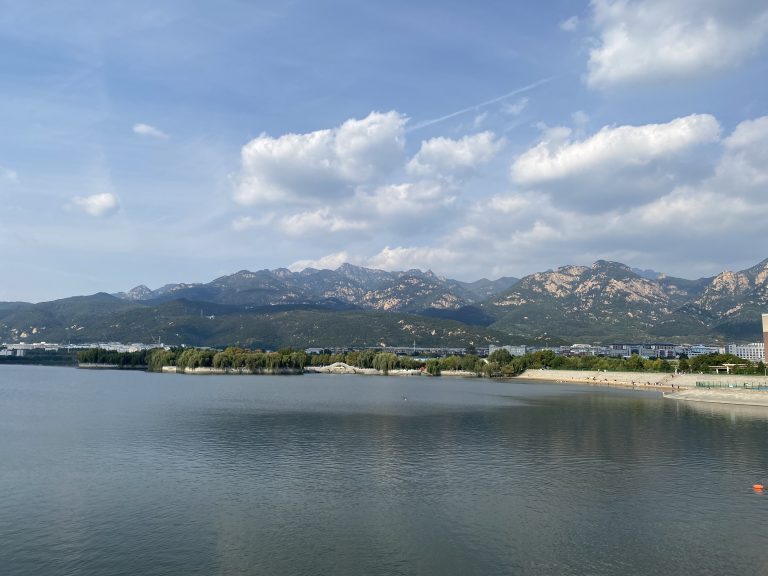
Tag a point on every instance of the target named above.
point(352, 305)
point(406, 291)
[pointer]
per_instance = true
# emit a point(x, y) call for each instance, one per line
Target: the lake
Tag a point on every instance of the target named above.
point(110, 473)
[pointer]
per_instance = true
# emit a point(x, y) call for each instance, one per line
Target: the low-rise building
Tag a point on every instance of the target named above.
point(765, 338)
point(754, 352)
point(513, 350)
point(701, 350)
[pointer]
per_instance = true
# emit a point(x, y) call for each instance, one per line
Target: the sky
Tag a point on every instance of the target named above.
point(179, 141)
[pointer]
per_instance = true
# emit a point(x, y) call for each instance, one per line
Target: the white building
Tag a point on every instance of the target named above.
point(765, 336)
point(700, 350)
point(754, 352)
point(513, 350)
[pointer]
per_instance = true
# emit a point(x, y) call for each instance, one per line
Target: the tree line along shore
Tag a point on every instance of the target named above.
point(499, 364)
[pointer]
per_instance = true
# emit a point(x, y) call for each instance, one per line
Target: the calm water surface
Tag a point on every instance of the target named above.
point(106, 473)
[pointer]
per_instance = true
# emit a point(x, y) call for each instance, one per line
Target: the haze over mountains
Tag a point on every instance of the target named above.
point(357, 306)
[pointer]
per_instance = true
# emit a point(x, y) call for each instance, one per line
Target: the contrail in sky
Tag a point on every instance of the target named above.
point(426, 123)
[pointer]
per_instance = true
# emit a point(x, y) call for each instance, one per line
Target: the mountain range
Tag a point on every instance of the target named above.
point(356, 306)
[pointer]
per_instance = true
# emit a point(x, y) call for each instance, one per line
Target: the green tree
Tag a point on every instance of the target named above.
point(500, 356)
point(433, 367)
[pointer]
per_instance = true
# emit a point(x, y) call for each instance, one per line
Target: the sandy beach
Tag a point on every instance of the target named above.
point(722, 396)
point(637, 380)
point(680, 387)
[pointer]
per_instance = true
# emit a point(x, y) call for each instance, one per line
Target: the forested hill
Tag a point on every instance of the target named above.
point(355, 306)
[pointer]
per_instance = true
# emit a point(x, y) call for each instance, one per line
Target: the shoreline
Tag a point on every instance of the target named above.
point(728, 396)
point(342, 368)
point(652, 381)
point(729, 388)
point(726, 389)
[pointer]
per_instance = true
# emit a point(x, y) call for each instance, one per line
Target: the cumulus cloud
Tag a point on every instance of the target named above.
point(322, 220)
point(518, 232)
point(328, 262)
point(669, 39)
point(322, 163)
point(151, 131)
point(405, 258)
point(746, 155)
point(731, 202)
point(444, 157)
point(410, 199)
point(97, 204)
point(691, 208)
point(613, 147)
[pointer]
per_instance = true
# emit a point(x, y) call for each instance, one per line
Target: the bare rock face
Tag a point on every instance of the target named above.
point(409, 291)
point(602, 302)
point(610, 298)
point(139, 293)
point(731, 292)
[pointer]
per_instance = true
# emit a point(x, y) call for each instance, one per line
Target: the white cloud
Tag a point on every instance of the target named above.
point(690, 209)
point(746, 155)
point(328, 262)
point(322, 163)
point(322, 220)
point(404, 258)
point(444, 157)
point(669, 39)
point(511, 203)
point(557, 157)
point(409, 200)
point(570, 24)
point(151, 131)
point(97, 204)
point(8, 175)
point(519, 232)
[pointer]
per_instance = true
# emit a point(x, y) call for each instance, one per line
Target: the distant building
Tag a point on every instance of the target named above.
point(765, 337)
point(513, 350)
point(754, 352)
point(655, 350)
point(700, 350)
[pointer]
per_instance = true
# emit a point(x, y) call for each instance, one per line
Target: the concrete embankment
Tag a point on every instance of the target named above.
point(741, 396)
point(726, 388)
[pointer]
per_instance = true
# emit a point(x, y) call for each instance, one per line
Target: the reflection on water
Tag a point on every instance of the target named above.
point(127, 473)
point(732, 412)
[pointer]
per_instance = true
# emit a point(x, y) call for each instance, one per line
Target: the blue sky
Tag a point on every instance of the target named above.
point(168, 141)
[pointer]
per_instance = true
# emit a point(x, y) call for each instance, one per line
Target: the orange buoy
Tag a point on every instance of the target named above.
point(757, 487)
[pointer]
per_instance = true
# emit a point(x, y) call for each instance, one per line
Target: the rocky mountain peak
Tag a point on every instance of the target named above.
point(140, 292)
point(281, 273)
point(608, 267)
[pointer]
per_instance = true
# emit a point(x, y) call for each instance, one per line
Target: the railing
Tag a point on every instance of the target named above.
point(744, 386)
